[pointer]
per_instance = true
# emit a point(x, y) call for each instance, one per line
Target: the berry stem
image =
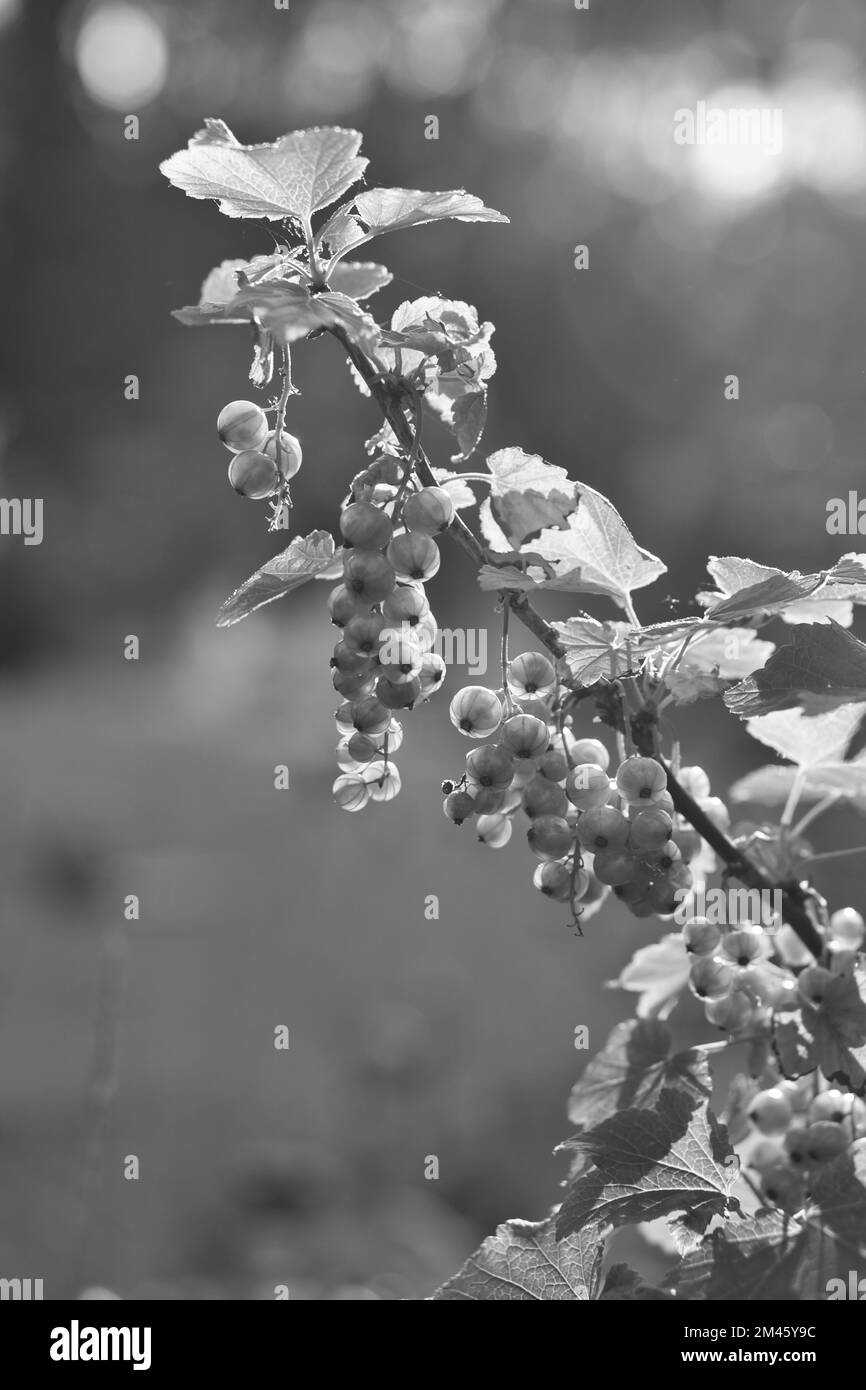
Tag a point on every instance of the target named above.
point(816, 811)
point(371, 374)
point(289, 389)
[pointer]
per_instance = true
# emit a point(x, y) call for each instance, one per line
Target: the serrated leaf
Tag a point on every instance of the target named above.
point(527, 494)
point(359, 279)
point(825, 660)
point(631, 1071)
point(761, 600)
point(596, 651)
point(658, 973)
point(808, 741)
point(306, 557)
point(525, 1262)
point(456, 486)
point(649, 1163)
point(597, 552)
point(766, 786)
point(832, 1037)
point(688, 684)
point(729, 653)
point(625, 1284)
point(289, 312)
point(295, 176)
point(768, 1256)
point(468, 418)
point(380, 210)
point(745, 588)
point(838, 1194)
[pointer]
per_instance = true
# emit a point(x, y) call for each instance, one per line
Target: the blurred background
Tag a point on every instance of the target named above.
point(408, 1037)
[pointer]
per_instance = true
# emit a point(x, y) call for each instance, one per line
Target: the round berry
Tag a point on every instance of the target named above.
point(831, 1105)
point(362, 748)
point(414, 555)
point(554, 766)
point(847, 929)
point(649, 831)
point(664, 897)
point(353, 685)
point(476, 711)
point(537, 707)
point(695, 781)
point(488, 800)
point(771, 1111)
point(701, 937)
point(343, 719)
point(458, 806)
point(525, 736)
point(290, 452)
point(796, 1146)
point(393, 736)
point(782, 1187)
point(590, 750)
point(429, 510)
point(399, 657)
point(710, 978)
point(732, 1013)
point(716, 811)
point(603, 827)
point(242, 425)
point(253, 475)
point(383, 780)
point(550, 837)
point(766, 1155)
point(431, 674)
point(424, 632)
point(744, 946)
point(687, 841)
point(342, 606)
point(406, 604)
point(492, 766)
point(543, 798)
point(367, 575)
point(398, 694)
point(587, 786)
point(362, 524)
point(641, 779)
point(350, 662)
point(553, 879)
point(494, 830)
point(613, 866)
point(362, 633)
point(351, 792)
point(370, 716)
point(812, 984)
point(531, 673)
point(826, 1140)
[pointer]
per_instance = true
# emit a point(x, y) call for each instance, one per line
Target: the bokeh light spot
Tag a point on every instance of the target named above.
point(121, 56)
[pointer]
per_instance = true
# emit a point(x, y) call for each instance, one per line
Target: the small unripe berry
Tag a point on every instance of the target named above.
point(641, 779)
point(429, 510)
point(414, 555)
point(554, 766)
point(476, 711)
point(587, 786)
point(253, 475)
point(550, 837)
point(351, 792)
point(367, 575)
point(242, 425)
point(494, 830)
point(771, 1111)
point(431, 674)
point(290, 452)
point(531, 673)
point(366, 526)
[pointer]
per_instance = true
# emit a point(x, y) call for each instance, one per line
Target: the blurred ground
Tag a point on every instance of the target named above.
point(408, 1037)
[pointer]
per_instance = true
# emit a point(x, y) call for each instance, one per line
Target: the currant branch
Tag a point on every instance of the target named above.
point(463, 535)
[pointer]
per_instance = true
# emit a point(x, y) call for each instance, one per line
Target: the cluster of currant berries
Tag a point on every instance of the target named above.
point(384, 660)
point(741, 987)
point(590, 833)
point(253, 472)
